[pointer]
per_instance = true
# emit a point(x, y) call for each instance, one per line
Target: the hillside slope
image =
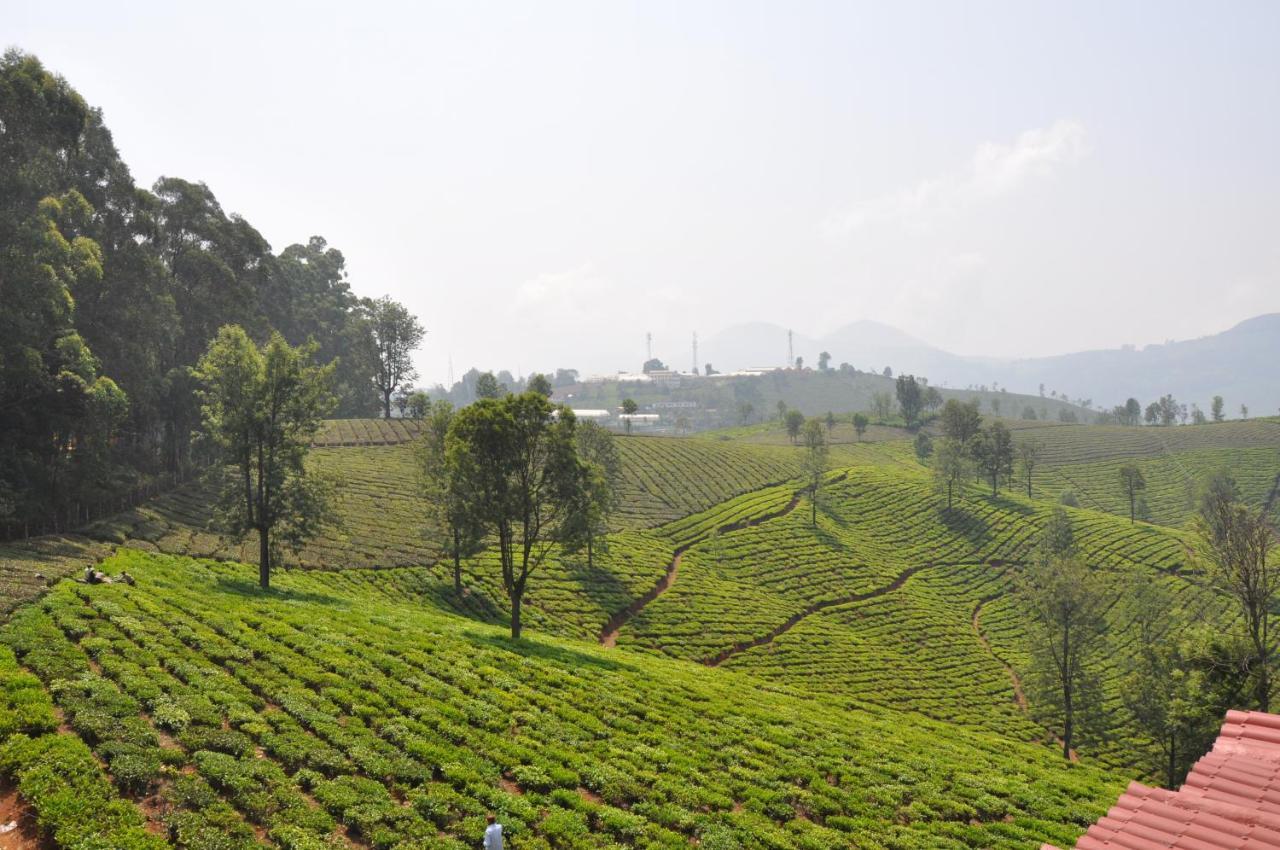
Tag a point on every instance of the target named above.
point(318, 710)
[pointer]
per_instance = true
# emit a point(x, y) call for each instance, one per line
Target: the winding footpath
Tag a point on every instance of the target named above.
point(1019, 696)
point(609, 634)
point(795, 619)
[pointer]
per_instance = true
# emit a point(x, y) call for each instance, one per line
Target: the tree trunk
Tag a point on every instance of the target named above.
point(386, 404)
point(590, 541)
point(1264, 683)
point(1173, 762)
point(457, 563)
point(1028, 485)
point(264, 559)
point(813, 513)
point(1131, 510)
point(1067, 709)
point(515, 615)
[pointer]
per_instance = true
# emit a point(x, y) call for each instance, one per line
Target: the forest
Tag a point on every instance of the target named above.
point(112, 291)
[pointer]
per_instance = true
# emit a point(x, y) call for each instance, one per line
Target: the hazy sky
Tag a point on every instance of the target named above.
point(544, 182)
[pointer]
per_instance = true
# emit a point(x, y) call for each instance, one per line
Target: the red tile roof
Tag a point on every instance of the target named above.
point(1231, 798)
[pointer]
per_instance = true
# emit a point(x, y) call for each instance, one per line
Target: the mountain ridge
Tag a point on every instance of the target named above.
point(1231, 363)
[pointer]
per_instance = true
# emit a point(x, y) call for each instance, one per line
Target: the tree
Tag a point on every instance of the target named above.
point(1029, 452)
point(950, 467)
point(1197, 415)
point(1029, 412)
point(682, 425)
point(992, 450)
point(961, 421)
point(1237, 546)
point(1056, 538)
point(860, 423)
point(402, 399)
point(882, 405)
point(540, 384)
point(709, 371)
point(1132, 483)
point(746, 410)
point(1244, 411)
point(923, 446)
point(1152, 414)
point(830, 422)
point(1066, 603)
point(596, 497)
point(1217, 409)
point(487, 386)
point(307, 295)
point(452, 520)
point(799, 363)
point(629, 408)
point(262, 408)
point(782, 411)
point(653, 365)
point(910, 399)
point(824, 361)
point(815, 463)
point(793, 423)
point(396, 333)
point(888, 373)
point(932, 399)
point(418, 404)
point(566, 377)
point(1173, 689)
point(515, 457)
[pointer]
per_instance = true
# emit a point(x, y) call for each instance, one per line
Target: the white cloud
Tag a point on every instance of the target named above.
point(994, 170)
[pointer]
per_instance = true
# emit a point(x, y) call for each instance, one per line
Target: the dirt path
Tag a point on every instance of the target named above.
point(1019, 696)
point(18, 830)
point(795, 619)
point(609, 634)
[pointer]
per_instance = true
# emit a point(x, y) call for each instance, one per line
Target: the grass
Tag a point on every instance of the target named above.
point(316, 712)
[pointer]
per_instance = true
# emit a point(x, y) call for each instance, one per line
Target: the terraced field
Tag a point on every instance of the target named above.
point(1087, 460)
point(382, 521)
point(762, 682)
point(367, 432)
point(889, 601)
point(316, 715)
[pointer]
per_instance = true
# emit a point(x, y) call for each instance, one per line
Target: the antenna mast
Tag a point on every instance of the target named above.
point(791, 352)
point(648, 346)
point(695, 352)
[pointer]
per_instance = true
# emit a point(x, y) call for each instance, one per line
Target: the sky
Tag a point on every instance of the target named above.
point(544, 183)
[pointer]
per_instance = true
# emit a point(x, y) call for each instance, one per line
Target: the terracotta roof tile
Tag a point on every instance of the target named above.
point(1230, 801)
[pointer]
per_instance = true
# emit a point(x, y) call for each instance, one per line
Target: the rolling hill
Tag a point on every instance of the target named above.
point(725, 672)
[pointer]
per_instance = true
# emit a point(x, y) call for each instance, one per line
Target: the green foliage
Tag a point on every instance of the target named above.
point(514, 461)
point(603, 747)
point(261, 408)
point(123, 289)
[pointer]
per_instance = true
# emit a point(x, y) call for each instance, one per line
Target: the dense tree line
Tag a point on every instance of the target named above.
point(111, 293)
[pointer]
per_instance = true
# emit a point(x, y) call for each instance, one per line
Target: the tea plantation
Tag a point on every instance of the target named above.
point(725, 673)
point(321, 715)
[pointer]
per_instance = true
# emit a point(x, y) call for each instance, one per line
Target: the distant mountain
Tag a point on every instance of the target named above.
point(1241, 364)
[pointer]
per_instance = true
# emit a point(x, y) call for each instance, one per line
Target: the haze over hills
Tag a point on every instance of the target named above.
point(1235, 363)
